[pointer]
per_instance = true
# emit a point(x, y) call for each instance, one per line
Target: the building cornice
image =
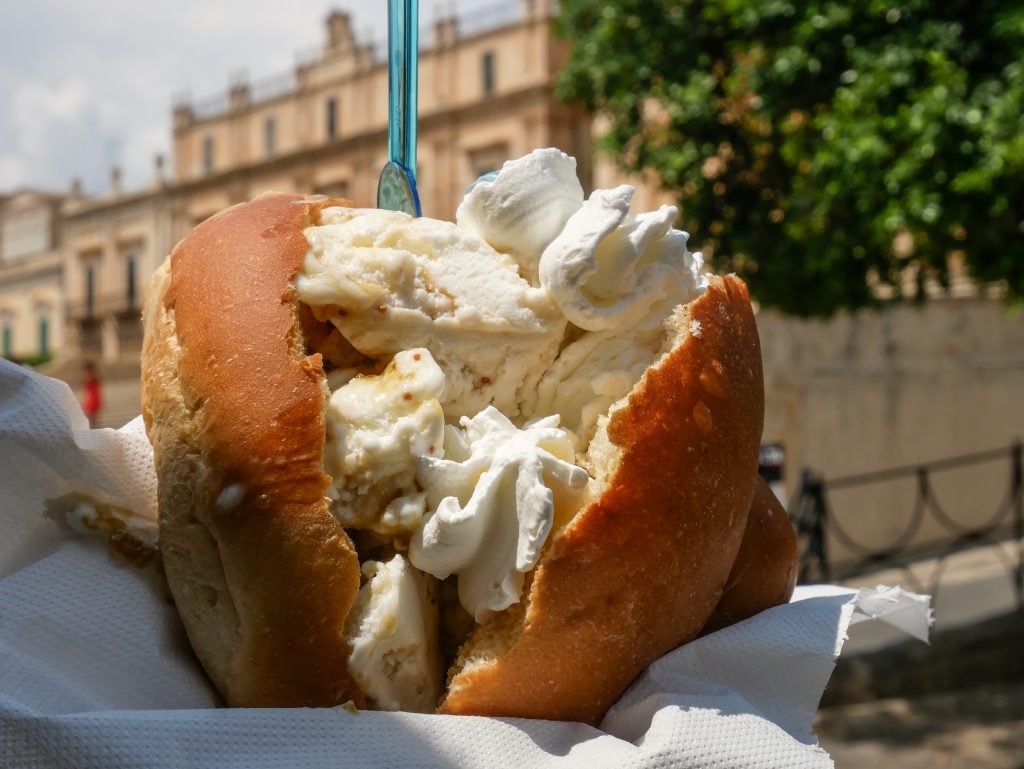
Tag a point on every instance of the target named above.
point(102, 207)
point(81, 211)
point(371, 139)
point(32, 266)
point(193, 114)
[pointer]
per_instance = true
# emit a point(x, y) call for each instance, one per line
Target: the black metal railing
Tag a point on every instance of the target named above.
point(818, 525)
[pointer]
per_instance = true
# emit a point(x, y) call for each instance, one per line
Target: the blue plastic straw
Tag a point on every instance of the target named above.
point(397, 187)
point(403, 58)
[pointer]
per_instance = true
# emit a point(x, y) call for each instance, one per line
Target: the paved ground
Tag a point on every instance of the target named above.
point(980, 728)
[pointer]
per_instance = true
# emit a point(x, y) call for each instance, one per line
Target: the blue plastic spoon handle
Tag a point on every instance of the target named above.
point(403, 58)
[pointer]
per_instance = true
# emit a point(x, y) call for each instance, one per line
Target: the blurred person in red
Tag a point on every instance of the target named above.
point(92, 399)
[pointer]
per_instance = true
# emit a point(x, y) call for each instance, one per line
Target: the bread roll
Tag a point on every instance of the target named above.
point(262, 574)
point(765, 570)
point(640, 569)
point(265, 576)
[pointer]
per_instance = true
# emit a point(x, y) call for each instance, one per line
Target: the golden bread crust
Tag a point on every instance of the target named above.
point(262, 573)
point(764, 573)
point(265, 577)
point(640, 569)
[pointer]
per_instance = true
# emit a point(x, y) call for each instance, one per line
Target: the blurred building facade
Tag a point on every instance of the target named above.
point(484, 97)
point(74, 270)
point(854, 393)
point(31, 276)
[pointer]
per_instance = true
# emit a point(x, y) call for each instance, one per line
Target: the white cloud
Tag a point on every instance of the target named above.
point(48, 125)
point(41, 112)
point(13, 168)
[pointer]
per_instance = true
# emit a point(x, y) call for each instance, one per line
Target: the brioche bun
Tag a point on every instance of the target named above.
point(265, 577)
point(764, 573)
point(262, 574)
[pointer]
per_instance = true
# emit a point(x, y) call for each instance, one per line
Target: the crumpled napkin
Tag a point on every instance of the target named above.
point(96, 670)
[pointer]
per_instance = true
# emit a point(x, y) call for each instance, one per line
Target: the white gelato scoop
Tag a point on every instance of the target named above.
point(525, 207)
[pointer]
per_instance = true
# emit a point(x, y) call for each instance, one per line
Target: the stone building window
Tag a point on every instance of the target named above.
point(90, 289)
point(487, 70)
point(130, 280)
point(208, 154)
point(270, 136)
point(44, 332)
point(332, 118)
point(7, 332)
point(26, 232)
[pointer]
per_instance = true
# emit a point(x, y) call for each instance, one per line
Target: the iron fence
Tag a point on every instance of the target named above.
point(818, 524)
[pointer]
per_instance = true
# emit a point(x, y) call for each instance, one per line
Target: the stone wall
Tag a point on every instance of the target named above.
point(899, 386)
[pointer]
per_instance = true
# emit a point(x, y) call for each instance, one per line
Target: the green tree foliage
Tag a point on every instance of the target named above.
point(818, 148)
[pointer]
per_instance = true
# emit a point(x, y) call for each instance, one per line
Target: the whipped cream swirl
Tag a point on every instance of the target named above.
point(606, 269)
point(493, 505)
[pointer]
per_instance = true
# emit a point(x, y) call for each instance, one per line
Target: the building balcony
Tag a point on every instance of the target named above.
point(109, 328)
point(90, 337)
point(118, 305)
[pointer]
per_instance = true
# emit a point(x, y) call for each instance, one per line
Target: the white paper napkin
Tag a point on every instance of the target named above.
point(95, 670)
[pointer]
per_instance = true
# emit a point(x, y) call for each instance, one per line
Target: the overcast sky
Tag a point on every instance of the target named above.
point(85, 84)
